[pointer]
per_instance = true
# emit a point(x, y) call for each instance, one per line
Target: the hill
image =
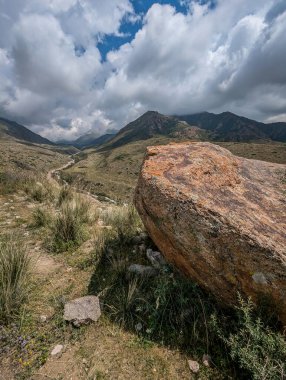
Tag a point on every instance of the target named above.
point(152, 124)
point(12, 130)
point(227, 126)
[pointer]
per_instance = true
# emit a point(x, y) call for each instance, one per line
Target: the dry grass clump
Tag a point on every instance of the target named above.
point(65, 194)
point(124, 220)
point(14, 276)
point(40, 218)
point(68, 229)
point(12, 181)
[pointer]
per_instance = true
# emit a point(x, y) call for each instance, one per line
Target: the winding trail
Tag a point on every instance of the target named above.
point(54, 177)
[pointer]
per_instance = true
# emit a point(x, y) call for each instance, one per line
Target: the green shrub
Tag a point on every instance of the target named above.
point(254, 346)
point(14, 276)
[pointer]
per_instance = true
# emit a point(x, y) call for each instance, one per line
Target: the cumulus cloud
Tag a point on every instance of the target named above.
point(231, 56)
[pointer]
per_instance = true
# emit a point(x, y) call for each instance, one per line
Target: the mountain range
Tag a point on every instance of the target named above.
point(223, 127)
point(227, 126)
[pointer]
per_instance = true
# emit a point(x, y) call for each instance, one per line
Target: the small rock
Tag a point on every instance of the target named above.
point(155, 258)
point(82, 311)
point(43, 318)
point(138, 326)
point(142, 270)
point(143, 236)
point(142, 248)
point(194, 366)
point(57, 351)
point(207, 360)
point(136, 239)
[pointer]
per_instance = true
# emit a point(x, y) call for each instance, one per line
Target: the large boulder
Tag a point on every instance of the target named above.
point(219, 218)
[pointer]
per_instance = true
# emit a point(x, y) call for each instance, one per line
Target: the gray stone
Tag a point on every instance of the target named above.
point(207, 360)
point(194, 366)
point(143, 236)
point(142, 270)
point(43, 318)
point(142, 248)
point(82, 311)
point(259, 278)
point(57, 351)
point(155, 258)
point(136, 239)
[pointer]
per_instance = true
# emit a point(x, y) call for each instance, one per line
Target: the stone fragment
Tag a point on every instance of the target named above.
point(194, 366)
point(142, 270)
point(57, 351)
point(82, 311)
point(155, 258)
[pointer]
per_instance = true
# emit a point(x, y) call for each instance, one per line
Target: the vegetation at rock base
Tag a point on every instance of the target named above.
point(253, 345)
point(173, 311)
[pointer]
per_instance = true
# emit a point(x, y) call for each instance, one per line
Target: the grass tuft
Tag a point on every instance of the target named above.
point(41, 218)
point(68, 229)
point(14, 277)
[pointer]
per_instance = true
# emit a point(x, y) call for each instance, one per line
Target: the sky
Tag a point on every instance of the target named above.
point(71, 66)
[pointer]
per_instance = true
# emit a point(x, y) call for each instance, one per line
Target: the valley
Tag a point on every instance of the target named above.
point(71, 211)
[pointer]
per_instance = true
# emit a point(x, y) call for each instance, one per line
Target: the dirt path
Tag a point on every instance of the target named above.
point(54, 177)
point(55, 172)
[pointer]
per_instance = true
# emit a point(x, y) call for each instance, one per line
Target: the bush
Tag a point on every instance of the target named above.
point(170, 307)
point(14, 276)
point(256, 348)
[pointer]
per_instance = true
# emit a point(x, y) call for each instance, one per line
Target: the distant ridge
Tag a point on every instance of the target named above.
point(227, 126)
point(92, 139)
point(12, 130)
